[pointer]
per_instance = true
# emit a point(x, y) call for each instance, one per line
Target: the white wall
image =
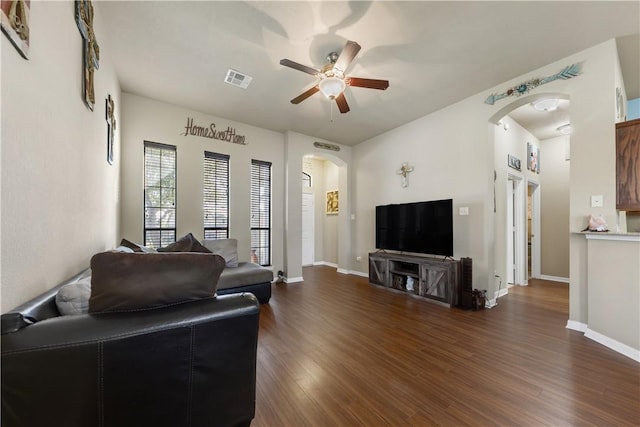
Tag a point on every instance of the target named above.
point(150, 120)
point(59, 194)
point(453, 155)
point(511, 141)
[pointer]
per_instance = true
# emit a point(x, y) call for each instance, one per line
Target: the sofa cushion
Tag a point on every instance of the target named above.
point(134, 281)
point(186, 243)
point(136, 247)
point(246, 274)
point(227, 248)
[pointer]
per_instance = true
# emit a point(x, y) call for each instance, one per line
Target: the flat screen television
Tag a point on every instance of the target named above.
point(421, 227)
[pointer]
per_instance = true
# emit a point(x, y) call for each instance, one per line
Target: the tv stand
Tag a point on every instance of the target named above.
point(431, 278)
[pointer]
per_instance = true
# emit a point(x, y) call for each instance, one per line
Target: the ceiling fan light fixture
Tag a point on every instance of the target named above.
point(548, 104)
point(331, 87)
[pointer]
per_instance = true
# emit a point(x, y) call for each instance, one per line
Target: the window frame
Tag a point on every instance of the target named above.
point(171, 231)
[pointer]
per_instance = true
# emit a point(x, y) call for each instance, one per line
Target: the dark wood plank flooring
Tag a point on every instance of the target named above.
point(338, 351)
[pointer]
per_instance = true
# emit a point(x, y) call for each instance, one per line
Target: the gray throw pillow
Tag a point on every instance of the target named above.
point(226, 248)
point(135, 281)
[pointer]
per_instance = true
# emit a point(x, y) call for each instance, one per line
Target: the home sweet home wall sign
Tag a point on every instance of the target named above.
point(211, 132)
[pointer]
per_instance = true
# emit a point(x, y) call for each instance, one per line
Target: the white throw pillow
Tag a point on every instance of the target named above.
point(226, 248)
point(73, 298)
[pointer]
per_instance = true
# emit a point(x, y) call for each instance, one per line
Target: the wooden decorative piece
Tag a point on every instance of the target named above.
point(15, 24)
point(326, 146)
point(91, 50)
point(332, 202)
point(110, 110)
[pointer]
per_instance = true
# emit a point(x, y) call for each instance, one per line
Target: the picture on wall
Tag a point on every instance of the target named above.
point(15, 24)
point(111, 126)
point(533, 158)
point(332, 202)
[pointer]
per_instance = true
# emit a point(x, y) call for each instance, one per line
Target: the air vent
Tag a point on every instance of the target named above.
point(236, 78)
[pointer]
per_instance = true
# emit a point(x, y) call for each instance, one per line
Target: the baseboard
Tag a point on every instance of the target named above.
point(614, 345)
point(576, 326)
point(554, 278)
point(502, 292)
point(342, 271)
point(328, 264)
point(293, 279)
point(359, 273)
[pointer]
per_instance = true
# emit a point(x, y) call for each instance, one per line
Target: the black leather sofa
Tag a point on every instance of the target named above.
point(187, 364)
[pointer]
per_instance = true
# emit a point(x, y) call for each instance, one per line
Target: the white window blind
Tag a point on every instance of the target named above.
point(216, 196)
point(159, 194)
point(261, 212)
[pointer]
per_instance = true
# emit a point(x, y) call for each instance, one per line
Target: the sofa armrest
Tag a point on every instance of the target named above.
point(194, 360)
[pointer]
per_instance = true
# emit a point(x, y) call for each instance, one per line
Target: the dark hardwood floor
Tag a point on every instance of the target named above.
point(335, 350)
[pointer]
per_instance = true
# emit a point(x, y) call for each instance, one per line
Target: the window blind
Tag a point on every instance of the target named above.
point(261, 212)
point(216, 195)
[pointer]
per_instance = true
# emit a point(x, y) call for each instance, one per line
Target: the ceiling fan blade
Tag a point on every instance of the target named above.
point(368, 83)
point(291, 64)
point(342, 103)
point(349, 51)
point(304, 95)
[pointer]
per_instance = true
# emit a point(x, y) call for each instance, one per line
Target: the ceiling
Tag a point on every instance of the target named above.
point(433, 54)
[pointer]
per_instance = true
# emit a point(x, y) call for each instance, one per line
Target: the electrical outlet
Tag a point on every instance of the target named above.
point(463, 211)
point(358, 258)
point(597, 201)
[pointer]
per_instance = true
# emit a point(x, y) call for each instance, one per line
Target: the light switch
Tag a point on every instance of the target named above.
point(597, 201)
point(463, 211)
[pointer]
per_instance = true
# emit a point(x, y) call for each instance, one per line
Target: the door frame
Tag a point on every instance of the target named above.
point(517, 228)
point(535, 228)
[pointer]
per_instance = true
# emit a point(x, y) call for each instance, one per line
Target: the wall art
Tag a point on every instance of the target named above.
point(566, 73)
point(533, 158)
point(513, 162)
point(90, 51)
point(332, 202)
point(15, 24)
point(110, 112)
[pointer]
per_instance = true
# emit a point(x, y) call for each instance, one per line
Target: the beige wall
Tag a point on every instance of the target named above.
point(614, 292)
point(453, 155)
point(59, 195)
point(554, 209)
point(149, 120)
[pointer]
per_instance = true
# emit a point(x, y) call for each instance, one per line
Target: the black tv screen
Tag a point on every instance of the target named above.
point(422, 227)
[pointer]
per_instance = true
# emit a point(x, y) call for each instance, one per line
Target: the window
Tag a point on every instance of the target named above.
point(261, 212)
point(216, 196)
point(306, 180)
point(159, 194)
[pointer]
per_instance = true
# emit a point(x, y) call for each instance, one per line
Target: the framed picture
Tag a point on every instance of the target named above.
point(533, 158)
point(332, 202)
point(14, 20)
point(111, 126)
point(513, 162)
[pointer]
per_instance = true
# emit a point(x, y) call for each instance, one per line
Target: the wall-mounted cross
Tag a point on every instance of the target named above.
point(91, 52)
point(404, 171)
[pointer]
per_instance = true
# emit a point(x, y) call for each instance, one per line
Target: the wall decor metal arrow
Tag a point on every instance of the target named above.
point(568, 72)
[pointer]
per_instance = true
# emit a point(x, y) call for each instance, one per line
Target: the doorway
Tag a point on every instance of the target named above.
point(533, 230)
point(308, 240)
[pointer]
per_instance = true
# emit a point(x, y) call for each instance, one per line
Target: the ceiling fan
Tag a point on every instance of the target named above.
point(332, 80)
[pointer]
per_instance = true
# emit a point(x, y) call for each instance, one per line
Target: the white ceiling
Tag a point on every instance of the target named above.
point(433, 54)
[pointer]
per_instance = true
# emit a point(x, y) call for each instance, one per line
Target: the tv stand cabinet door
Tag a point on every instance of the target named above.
point(435, 281)
point(379, 270)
